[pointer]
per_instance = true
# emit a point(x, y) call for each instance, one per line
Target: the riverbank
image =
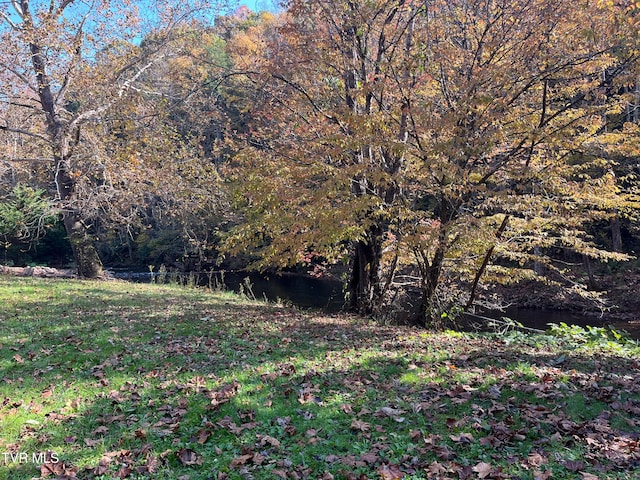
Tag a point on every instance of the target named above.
point(619, 303)
point(533, 304)
point(38, 271)
point(124, 380)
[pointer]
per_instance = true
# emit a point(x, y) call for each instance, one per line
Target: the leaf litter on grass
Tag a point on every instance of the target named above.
point(214, 386)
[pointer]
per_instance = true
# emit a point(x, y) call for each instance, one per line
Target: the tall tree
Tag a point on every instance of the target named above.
point(66, 65)
point(421, 138)
point(46, 53)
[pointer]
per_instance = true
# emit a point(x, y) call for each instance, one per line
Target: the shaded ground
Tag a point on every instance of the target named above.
point(118, 380)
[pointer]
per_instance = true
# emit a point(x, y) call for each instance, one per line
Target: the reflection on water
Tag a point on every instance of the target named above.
point(327, 295)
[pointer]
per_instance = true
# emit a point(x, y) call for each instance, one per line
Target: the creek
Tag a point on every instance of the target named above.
point(327, 295)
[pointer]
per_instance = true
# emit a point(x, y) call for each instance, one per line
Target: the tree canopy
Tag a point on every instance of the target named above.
point(431, 147)
point(418, 139)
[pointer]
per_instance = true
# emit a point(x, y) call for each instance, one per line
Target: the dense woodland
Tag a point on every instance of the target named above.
point(424, 150)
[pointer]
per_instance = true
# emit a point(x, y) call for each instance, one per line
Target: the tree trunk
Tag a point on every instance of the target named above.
point(86, 256)
point(586, 262)
point(616, 234)
point(485, 262)
point(364, 282)
point(430, 282)
point(84, 251)
point(61, 143)
point(538, 267)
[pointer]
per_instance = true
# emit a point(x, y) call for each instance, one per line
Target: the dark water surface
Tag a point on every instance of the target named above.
point(327, 295)
point(301, 290)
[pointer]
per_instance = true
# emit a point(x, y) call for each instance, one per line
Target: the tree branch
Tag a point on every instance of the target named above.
point(17, 8)
point(23, 132)
point(21, 76)
point(97, 111)
point(8, 20)
point(77, 53)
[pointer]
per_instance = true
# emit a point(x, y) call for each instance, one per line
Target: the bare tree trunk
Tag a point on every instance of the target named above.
point(616, 234)
point(430, 282)
point(589, 269)
point(485, 262)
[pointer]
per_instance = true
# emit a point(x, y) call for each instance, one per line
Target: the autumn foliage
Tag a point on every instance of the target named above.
point(430, 148)
point(434, 144)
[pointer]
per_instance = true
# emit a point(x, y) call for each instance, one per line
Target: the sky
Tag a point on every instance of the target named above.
point(260, 5)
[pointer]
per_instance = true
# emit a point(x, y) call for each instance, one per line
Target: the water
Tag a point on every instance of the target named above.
point(301, 290)
point(327, 295)
point(298, 289)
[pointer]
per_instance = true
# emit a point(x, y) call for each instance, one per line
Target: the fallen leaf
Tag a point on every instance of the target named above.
point(360, 425)
point(201, 436)
point(241, 460)
point(267, 439)
point(103, 466)
point(390, 472)
point(370, 457)
point(100, 430)
point(483, 469)
point(189, 457)
point(436, 468)
point(390, 412)
point(123, 472)
point(538, 475)
point(462, 438)
point(588, 476)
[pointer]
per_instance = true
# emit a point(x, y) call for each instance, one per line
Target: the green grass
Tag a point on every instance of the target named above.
point(120, 380)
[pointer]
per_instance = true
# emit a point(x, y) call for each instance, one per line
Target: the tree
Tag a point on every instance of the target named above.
point(45, 50)
point(66, 65)
point(421, 139)
point(159, 146)
point(324, 97)
point(25, 216)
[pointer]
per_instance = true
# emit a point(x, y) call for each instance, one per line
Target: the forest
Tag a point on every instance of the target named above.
point(437, 156)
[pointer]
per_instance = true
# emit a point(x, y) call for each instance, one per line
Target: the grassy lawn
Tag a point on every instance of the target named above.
point(103, 380)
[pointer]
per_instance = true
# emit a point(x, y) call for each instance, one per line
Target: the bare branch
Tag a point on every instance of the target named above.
point(24, 79)
point(8, 20)
point(26, 159)
point(62, 7)
point(17, 8)
point(126, 85)
point(77, 53)
point(23, 132)
point(33, 106)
